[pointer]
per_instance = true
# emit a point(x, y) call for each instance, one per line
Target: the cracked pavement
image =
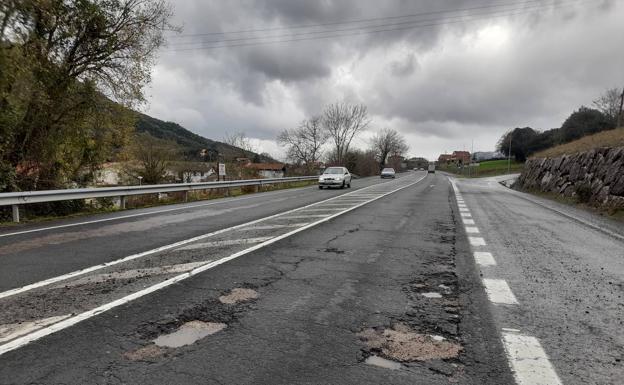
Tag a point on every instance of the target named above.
point(400, 267)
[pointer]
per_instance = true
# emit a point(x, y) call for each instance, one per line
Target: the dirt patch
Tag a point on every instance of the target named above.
point(403, 344)
point(238, 295)
point(146, 353)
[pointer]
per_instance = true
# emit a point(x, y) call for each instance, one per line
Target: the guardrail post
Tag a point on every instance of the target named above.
point(186, 196)
point(16, 217)
point(122, 202)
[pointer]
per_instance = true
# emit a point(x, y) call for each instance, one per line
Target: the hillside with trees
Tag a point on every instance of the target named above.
point(526, 141)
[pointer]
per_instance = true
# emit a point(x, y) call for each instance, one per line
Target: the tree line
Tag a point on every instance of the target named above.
point(329, 137)
point(522, 142)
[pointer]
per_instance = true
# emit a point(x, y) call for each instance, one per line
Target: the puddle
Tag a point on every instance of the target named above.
point(405, 345)
point(431, 295)
point(382, 363)
point(145, 353)
point(188, 333)
point(238, 295)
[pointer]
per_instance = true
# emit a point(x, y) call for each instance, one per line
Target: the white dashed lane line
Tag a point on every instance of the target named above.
point(484, 258)
point(476, 241)
point(527, 359)
point(499, 292)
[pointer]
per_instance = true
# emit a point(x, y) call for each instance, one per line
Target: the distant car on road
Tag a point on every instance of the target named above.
point(431, 169)
point(388, 172)
point(335, 177)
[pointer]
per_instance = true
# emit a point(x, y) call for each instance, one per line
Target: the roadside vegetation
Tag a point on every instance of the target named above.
point(611, 138)
point(524, 142)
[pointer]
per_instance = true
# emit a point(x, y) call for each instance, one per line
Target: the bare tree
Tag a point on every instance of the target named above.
point(388, 142)
point(154, 157)
point(240, 140)
point(304, 143)
point(343, 122)
point(609, 103)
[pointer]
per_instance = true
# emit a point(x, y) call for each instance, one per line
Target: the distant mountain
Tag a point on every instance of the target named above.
point(192, 144)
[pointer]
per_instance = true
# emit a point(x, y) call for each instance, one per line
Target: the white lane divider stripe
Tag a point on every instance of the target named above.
point(484, 258)
point(476, 241)
point(304, 216)
point(465, 215)
point(468, 221)
point(472, 229)
point(464, 210)
point(498, 291)
point(26, 339)
point(272, 227)
point(529, 362)
point(225, 242)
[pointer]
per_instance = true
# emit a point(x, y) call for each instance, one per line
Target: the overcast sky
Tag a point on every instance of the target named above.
point(442, 79)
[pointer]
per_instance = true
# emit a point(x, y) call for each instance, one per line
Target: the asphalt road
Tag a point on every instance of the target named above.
point(416, 280)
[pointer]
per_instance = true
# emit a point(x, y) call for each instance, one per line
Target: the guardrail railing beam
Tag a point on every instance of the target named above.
point(15, 199)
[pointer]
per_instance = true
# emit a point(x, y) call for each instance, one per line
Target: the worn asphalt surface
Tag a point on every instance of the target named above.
point(394, 278)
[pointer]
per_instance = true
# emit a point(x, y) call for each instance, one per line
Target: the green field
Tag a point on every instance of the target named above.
point(487, 168)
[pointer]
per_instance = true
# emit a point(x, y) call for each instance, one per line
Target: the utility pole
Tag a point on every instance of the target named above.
point(619, 120)
point(509, 156)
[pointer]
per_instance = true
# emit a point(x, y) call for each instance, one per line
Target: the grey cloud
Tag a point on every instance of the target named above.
point(552, 63)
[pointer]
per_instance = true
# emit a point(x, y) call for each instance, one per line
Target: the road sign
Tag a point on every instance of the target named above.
point(221, 169)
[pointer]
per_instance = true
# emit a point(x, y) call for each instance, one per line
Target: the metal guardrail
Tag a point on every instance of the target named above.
point(15, 199)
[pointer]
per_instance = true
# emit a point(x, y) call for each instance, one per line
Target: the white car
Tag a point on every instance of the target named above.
point(388, 172)
point(336, 177)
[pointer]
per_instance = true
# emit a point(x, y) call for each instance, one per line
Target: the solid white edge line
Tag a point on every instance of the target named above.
point(528, 360)
point(21, 341)
point(191, 206)
point(76, 273)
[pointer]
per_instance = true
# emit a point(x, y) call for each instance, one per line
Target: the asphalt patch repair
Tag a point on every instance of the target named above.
point(403, 344)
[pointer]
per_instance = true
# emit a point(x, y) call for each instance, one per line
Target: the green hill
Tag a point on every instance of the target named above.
point(191, 143)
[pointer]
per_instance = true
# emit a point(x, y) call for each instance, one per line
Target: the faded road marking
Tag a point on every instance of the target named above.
point(9, 332)
point(468, 221)
point(484, 258)
point(225, 242)
point(498, 291)
point(472, 229)
point(476, 241)
point(528, 360)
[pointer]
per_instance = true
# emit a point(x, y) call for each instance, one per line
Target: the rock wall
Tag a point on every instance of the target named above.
point(595, 177)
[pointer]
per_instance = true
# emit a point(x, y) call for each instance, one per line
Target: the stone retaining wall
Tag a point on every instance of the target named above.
point(595, 177)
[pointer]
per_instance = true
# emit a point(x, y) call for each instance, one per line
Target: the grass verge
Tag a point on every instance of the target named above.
point(485, 169)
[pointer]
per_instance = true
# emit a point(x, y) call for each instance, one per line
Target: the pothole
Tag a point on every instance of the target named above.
point(403, 344)
point(189, 333)
point(238, 295)
point(431, 295)
point(146, 353)
point(383, 363)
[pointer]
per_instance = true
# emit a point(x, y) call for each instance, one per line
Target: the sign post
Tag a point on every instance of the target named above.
point(221, 171)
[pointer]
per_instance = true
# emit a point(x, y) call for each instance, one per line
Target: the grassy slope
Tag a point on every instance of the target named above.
point(611, 138)
point(486, 168)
